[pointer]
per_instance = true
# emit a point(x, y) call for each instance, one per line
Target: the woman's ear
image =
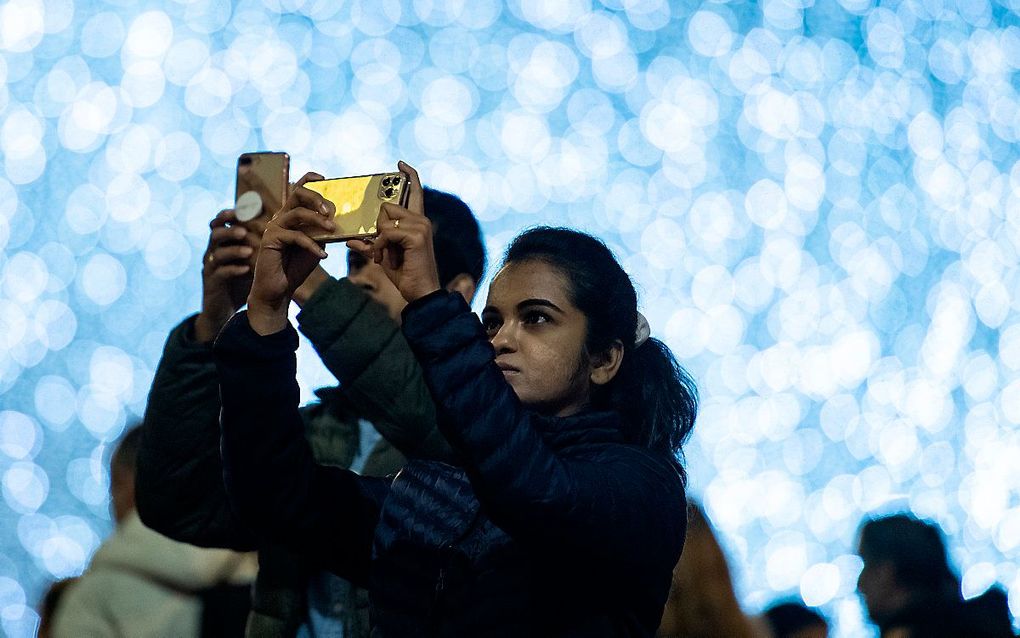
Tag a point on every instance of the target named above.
point(464, 284)
point(606, 364)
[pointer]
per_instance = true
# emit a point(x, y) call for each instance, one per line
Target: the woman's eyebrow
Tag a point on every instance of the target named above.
point(545, 303)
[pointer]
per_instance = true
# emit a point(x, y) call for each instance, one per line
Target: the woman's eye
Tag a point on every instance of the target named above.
point(536, 317)
point(491, 326)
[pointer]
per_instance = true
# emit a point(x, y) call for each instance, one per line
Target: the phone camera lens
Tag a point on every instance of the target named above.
point(387, 181)
point(388, 192)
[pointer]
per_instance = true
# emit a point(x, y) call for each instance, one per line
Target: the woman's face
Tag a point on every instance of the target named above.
point(539, 337)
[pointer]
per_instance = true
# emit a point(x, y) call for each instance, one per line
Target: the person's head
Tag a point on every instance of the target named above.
point(460, 254)
point(794, 619)
point(562, 316)
point(905, 562)
point(122, 473)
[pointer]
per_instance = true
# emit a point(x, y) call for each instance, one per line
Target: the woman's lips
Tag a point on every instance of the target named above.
point(506, 368)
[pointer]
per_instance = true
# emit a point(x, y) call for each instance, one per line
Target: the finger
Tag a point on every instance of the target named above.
point(231, 271)
point(296, 238)
point(309, 177)
point(416, 196)
point(393, 216)
point(306, 198)
point(225, 255)
point(298, 217)
point(301, 196)
point(222, 218)
point(361, 247)
point(224, 235)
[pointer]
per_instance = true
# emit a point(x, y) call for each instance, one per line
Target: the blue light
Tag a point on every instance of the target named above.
point(819, 202)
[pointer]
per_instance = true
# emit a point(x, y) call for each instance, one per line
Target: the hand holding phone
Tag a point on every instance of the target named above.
point(287, 256)
point(404, 244)
point(358, 201)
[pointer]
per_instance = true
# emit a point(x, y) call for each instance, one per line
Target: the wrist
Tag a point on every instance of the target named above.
point(421, 291)
point(207, 326)
point(266, 318)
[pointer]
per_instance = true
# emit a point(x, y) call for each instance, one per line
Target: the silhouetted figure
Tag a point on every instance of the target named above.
point(911, 591)
point(794, 619)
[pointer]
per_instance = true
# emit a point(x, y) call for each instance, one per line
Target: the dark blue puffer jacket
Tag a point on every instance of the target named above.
point(553, 526)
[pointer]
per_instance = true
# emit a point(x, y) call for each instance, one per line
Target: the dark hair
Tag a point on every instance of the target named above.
point(456, 236)
point(916, 550)
point(787, 618)
point(125, 455)
point(653, 394)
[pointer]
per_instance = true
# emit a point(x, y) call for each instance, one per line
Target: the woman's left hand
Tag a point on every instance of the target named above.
point(404, 244)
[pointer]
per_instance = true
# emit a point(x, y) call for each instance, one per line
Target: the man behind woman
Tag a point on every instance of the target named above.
point(565, 511)
point(352, 323)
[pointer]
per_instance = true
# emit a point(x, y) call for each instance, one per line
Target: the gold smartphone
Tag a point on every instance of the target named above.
point(358, 201)
point(261, 188)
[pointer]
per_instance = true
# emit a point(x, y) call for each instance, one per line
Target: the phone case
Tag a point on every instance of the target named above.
point(357, 201)
point(261, 187)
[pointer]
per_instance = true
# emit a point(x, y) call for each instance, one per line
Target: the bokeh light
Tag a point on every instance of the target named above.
point(819, 202)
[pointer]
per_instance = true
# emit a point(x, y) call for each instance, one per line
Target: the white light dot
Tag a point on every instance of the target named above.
point(709, 34)
point(177, 156)
point(18, 434)
point(25, 487)
point(55, 401)
point(149, 36)
point(819, 584)
point(103, 279)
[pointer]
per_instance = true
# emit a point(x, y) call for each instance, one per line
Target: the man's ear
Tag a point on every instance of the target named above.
point(464, 284)
point(606, 364)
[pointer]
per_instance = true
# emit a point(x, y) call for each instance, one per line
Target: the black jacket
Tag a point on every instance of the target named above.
point(179, 483)
point(554, 526)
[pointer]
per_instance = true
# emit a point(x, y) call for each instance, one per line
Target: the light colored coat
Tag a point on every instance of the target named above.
point(142, 584)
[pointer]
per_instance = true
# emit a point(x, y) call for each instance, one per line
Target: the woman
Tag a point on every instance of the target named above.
point(566, 511)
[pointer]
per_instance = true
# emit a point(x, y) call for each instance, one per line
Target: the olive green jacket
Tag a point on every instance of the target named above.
point(179, 486)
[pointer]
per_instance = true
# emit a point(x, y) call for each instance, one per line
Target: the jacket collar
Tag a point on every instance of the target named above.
point(585, 427)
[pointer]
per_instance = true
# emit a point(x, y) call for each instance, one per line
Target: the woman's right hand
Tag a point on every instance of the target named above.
point(287, 256)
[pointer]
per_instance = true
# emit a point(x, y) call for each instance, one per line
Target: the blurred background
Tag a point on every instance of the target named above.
point(819, 201)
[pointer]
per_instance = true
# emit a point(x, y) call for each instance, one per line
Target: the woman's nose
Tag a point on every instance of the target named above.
point(505, 339)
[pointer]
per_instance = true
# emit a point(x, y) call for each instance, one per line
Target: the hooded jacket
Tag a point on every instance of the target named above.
point(551, 526)
point(140, 583)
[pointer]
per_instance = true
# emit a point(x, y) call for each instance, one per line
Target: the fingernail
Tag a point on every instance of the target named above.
point(246, 251)
point(322, 253)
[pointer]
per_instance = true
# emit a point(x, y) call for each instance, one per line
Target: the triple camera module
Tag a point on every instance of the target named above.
point(389, 186)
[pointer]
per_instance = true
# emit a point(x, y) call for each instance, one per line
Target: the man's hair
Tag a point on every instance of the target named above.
point(787, 618)
point(456, 236)
point(915, 548)
point(125, 455)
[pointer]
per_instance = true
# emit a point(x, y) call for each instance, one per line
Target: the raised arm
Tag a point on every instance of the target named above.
point(271, 477)
point(366, 351)
point(179, 484)
point(615, 503)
